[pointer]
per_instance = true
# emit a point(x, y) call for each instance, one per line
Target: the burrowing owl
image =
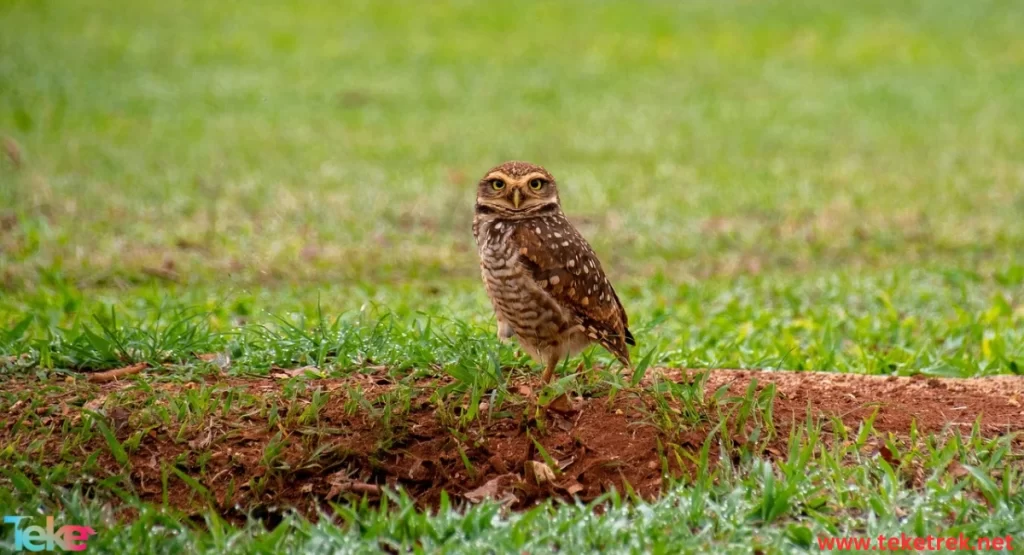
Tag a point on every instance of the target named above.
point(544, 280)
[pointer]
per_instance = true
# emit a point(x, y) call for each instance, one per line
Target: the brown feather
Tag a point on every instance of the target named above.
point(560, 260)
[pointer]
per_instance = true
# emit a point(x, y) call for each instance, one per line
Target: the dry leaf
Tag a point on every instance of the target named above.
point(488, 490)
point(492, 490)
point(201, 443)
point(539, 473)
point(223, 360)
point(95, 404)
point(562, 423)
point(562, 405)
point(282, 374)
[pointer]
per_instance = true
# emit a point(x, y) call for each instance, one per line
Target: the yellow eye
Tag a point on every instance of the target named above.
point(497, 184)
point(536, 184)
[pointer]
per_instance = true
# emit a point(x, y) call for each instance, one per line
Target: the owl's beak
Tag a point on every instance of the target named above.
point(517, 197)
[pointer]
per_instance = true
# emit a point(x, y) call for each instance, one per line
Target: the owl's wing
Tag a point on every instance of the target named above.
point(561, 262)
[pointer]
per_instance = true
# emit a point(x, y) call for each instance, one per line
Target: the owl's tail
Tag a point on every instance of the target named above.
point(618, 347)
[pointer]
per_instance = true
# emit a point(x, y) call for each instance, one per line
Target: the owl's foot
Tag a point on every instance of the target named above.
point(505, 332)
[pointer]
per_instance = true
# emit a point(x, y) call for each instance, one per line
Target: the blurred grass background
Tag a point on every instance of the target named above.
point(783, 184)
point(277, 151)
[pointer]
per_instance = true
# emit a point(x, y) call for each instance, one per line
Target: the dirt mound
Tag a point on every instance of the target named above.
point(277, 452)
point(932, 403)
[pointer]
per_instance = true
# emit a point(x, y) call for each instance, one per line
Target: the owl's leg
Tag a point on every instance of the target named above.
point(504, 331)
point(549, 372)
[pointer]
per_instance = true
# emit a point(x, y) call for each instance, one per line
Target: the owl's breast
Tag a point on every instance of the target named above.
point(498, 255)
point(518, 299)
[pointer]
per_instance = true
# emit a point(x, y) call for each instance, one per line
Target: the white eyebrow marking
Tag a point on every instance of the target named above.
point(498, 175)
point(535, 175)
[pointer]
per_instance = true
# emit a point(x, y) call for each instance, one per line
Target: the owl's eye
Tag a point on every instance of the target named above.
point(497, 184)
point(536, 184)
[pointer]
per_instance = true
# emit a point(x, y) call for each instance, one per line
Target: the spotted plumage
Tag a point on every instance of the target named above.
point(547, 286)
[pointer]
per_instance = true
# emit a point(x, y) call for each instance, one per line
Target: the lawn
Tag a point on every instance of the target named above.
point(812, 212)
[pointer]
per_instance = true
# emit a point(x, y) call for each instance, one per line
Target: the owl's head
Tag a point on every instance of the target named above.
point(517, 189)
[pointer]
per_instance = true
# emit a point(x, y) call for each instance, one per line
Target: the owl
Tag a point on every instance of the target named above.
point(545, 282)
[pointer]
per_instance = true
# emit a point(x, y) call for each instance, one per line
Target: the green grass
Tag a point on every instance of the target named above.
point(793, 185)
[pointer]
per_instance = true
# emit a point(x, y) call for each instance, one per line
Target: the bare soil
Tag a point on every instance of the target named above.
point(934, 404)
point(595, 443)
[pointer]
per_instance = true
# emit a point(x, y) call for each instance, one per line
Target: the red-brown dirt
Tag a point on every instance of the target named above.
point(932, 403)
point(595, 443)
